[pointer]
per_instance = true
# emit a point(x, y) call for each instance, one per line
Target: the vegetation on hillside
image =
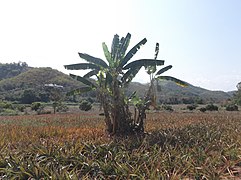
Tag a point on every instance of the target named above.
point(38, 77)
point(12, 69)
point(12, 88)
point(169, 92)
point(30, 86)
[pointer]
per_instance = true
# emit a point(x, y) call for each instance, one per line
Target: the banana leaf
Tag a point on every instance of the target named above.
point(115, 47)
point(177, 81)
point(82, 66)
point(156, 51)
point(83, 80)
point(144, 62)
point(94, 60)
point(132, 52)
point(130, 74)
point(91, 73)
point(163, 70)
point(107, 54)
point(108, 79)
point(124, 45)
point(79, 91)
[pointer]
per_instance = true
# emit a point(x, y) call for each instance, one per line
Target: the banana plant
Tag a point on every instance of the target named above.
point(112, 76)
point(156, 76)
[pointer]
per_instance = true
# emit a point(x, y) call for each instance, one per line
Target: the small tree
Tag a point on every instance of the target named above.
point(56, 95)
point(237, 95)
point(85, 105)
point(211, 107)
point(29, 96)
point(231, 107)
point(38, 107)
point(191, 107)
point(112, 78)
point(156, 76)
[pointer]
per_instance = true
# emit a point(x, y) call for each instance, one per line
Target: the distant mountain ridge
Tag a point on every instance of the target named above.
point(21, 77)
point(170, 92)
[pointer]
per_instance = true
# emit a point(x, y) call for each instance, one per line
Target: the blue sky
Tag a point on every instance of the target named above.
point(200, 38)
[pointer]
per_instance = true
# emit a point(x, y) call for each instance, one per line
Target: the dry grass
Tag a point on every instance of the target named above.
point(71, 146)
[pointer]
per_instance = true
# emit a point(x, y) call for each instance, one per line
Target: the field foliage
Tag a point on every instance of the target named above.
point(75, 146)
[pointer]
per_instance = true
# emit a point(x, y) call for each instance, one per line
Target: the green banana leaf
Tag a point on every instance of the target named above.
point(132, 52)
point(144, 62)
point(156, 51)
point(177, 81)
point(82, 66)
point(115, 47)
point(83, 80)
point(94, 60)
point(108, 79)
point(91, 73)
point(163, 70)
point(79, 91)
point(124, 45)
point(107, 54)
point(130, 74)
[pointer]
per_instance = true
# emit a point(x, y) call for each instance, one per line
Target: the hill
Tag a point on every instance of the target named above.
point(38, 77)
point(170, 93)
point(12, 69)
point(29, 85)
point(17, 78)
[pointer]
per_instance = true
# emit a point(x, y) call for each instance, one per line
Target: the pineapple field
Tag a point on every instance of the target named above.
point(176, 145)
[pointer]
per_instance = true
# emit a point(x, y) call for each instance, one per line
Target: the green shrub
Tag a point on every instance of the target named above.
point(21, 107)
point(231, 107)
point(62, 108)
point(35, 106)
point(191, 107)
point(85, 105)
point(6, 105)
point(167, 108)
point(8, 112)
point(90, 100)
point(43, 112)
point(211, 107)
point(203, 109)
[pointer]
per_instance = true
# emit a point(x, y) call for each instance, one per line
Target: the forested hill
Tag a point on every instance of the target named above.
point(17, 78)
point(38, 77)
point(12, 69)
point(20, 81)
